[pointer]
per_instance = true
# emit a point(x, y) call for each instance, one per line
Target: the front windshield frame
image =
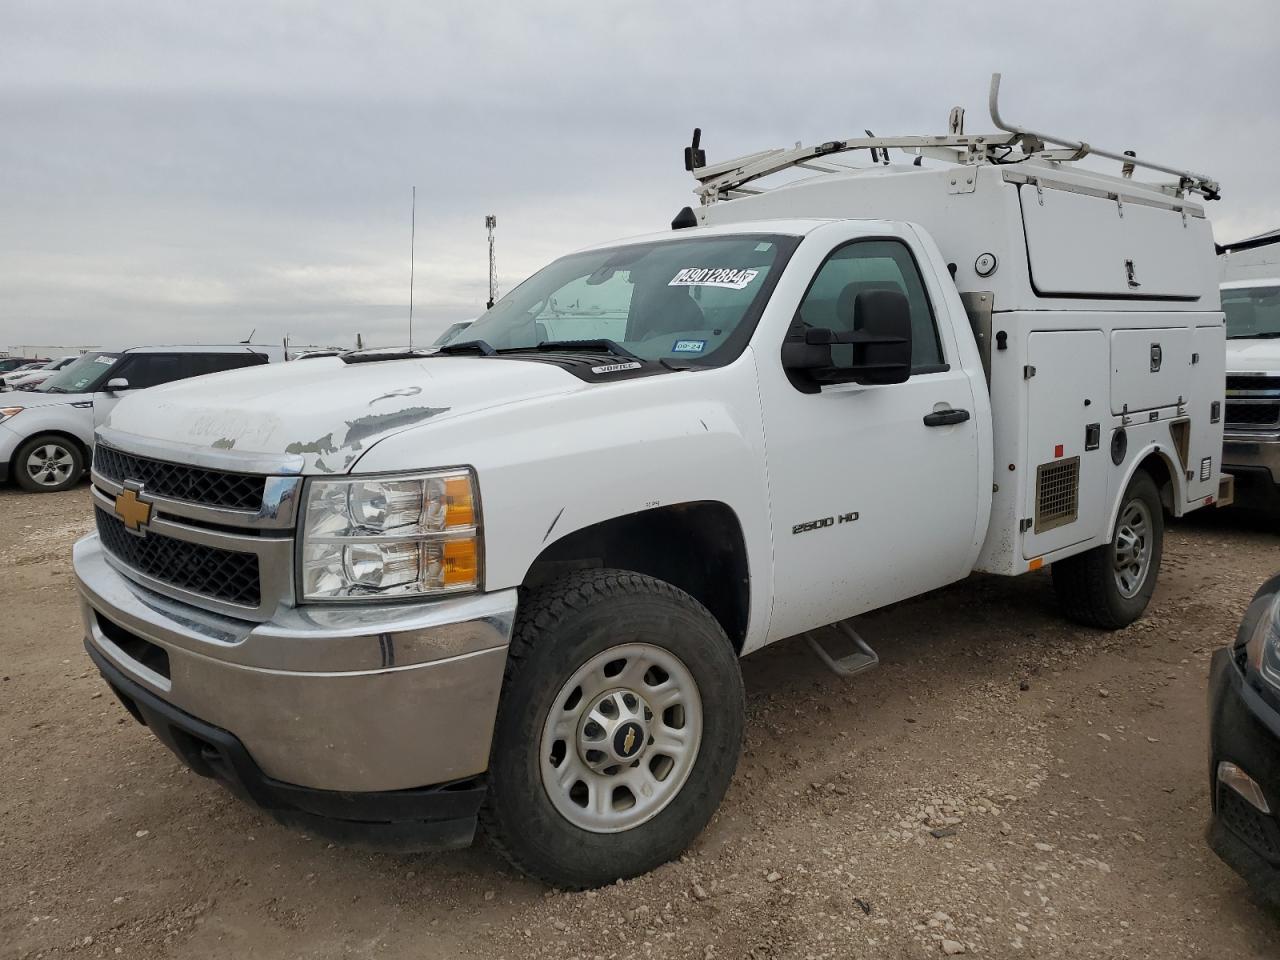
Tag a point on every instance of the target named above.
point(1266, 326)
point(729, 349)
point(68, 379)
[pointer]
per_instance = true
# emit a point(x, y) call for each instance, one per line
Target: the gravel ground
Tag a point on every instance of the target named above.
point(1005, 785)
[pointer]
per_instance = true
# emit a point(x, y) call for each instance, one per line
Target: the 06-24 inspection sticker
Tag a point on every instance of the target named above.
point(727, 277)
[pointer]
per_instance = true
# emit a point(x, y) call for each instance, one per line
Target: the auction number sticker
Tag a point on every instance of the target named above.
point(727, 277)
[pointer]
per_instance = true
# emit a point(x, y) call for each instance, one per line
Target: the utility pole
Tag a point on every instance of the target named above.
point(491, 222)
point(413, 224)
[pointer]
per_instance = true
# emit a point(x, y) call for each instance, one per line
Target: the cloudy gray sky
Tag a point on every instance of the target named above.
point(188, 172)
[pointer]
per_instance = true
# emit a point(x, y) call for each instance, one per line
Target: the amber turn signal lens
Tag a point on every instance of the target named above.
point(460, 509)
point(461, 562)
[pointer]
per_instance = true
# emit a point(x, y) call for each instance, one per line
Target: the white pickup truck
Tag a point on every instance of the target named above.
point(507, 580)
point(1251, 302)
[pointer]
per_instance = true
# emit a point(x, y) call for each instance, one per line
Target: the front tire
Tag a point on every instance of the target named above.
point(48, 463)
point(1110, 586)
point(618, 731)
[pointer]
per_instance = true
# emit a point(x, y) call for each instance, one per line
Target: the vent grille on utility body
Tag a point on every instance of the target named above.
point(225, 575)
point(214, 488)
point(1057, 494)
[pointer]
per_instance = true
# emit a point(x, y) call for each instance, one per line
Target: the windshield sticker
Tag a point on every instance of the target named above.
point(105, 360)
point(616, 367)
point(726, 277)
point(689, 346)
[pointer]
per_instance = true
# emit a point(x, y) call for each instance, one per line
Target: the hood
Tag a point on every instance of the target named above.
point(326, 411)
point(1253, 356)
point(29, 398)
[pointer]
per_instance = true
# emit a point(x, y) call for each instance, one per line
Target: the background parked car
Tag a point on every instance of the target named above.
point(46, 434)
point(1244, 737)
point(10, 364)
point(29, 378)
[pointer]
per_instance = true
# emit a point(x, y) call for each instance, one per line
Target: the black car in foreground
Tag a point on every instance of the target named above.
point(1244, 746)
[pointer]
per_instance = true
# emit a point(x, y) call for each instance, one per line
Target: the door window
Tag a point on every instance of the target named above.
point(865, 265)
point(144, 370)
point(202, 363)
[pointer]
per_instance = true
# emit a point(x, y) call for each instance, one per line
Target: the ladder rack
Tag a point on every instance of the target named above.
point(724, 181)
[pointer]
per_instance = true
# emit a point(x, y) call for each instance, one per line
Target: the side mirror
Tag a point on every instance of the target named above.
point(877, 349)
point(117, 384)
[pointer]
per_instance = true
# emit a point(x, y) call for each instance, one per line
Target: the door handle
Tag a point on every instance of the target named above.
point(944, 418)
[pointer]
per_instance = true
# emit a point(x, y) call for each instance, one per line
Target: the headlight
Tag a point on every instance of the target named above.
point(391, 536)
point(1263, 647)
point(1264, 643)
point(7, 413)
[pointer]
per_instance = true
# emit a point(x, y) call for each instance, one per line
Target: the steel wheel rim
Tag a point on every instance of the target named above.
point(1131, 549)
point(595, 778)
point(49, 464)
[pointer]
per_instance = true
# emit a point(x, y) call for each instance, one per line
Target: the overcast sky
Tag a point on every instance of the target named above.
point(187, 172)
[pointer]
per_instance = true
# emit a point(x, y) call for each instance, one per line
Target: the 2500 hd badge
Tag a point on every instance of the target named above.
point(824, 522)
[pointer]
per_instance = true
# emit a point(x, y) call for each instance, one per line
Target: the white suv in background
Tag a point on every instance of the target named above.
point(46, 434)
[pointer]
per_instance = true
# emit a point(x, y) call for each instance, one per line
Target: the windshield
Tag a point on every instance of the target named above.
point(694, 299)
point(82, 376)
point(1252, 312)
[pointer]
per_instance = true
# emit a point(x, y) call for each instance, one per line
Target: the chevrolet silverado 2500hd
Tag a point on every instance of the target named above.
point(1251, 447)
point(506, 581)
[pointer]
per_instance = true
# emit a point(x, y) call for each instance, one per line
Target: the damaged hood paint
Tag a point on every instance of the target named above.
point(326, 411)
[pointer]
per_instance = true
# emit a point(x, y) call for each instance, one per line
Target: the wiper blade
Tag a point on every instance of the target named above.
point(608, 346)
point(482, 347)
point(1264, 335)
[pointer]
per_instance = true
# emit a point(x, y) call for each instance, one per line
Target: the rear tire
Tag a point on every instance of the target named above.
point(48, 463)
point(614, 680)
point(1110, 586)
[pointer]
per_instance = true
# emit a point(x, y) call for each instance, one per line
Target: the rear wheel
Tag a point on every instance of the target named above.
point(1110, 586)
point(618, 731)
point(48, 463)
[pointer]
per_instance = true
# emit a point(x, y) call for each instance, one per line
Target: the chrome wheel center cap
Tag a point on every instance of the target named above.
point(614, 732)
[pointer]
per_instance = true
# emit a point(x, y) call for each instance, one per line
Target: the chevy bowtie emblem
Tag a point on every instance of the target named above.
point(131, 510)
point(629, 742)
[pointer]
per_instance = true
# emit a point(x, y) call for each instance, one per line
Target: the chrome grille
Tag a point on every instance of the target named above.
point(1253, 414)
point(225, 575)
point(216, 488)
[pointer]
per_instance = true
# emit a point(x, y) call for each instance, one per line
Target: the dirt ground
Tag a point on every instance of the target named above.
point(1006, 782)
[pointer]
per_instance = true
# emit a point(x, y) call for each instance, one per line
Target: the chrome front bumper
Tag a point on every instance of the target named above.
point(379, 698)
point(1252, 451)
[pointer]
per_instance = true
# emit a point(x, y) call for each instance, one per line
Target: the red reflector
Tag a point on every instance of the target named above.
point(1208, 501)
point(1057, 451)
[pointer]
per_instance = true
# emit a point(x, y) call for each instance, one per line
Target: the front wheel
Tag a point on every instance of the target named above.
point(1110, 586)
point(48, 463)
point(618, 731)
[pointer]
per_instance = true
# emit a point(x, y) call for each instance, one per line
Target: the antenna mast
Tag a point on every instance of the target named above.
point(491, 223)
point(413, 224)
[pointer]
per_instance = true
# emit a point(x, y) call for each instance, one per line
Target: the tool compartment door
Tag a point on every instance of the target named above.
point(1149, 368)
point(1081, 245)
point(1067, 459)
point(1208, 379)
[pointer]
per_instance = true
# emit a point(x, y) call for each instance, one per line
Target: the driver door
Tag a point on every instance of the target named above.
point(872, 500)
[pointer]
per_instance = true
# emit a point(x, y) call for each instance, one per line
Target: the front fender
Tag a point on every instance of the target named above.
point(550, 466)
